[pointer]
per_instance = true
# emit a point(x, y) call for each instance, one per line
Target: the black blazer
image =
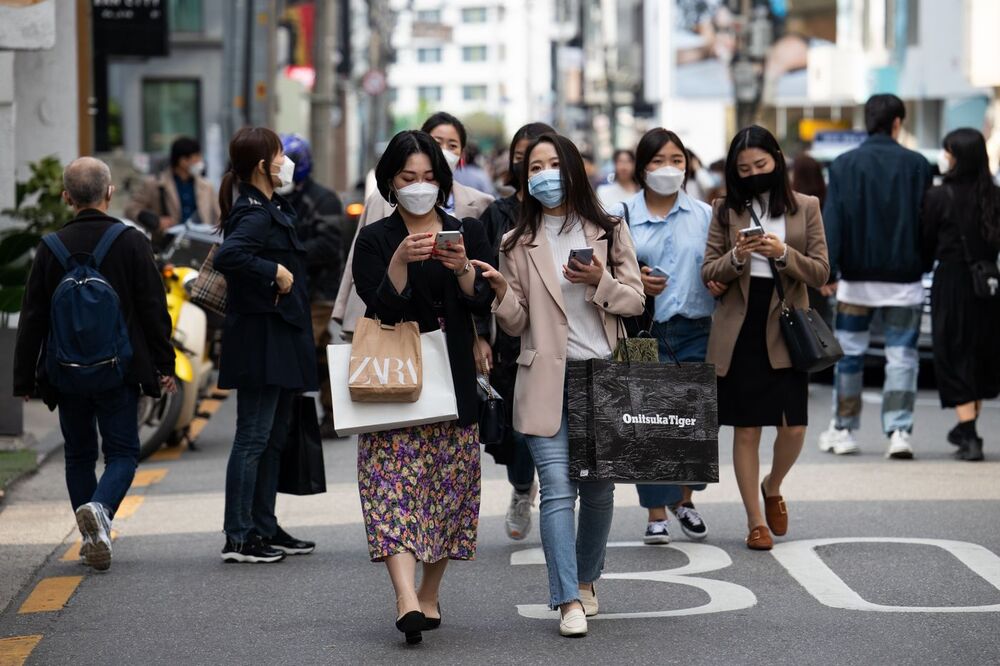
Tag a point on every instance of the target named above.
point(131, 271)
point(373, 251)
point(267, 339)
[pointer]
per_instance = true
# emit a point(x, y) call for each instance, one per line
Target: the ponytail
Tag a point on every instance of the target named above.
point(226, 197)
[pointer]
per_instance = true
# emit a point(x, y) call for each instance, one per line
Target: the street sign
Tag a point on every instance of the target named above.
point(127, 27)
point(374, 82)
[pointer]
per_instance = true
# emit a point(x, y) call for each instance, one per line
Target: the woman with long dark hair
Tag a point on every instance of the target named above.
point(499, 218)
point(267, 346)
point(961, 227)
point(420, 485)
point(563, 309)
point(758, 386)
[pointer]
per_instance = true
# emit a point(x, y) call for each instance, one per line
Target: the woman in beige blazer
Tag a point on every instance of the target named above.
point(757, 385)
point(449, 133)
point(563, 310)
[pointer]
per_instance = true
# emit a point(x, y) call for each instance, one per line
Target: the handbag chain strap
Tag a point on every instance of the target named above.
point(774, 266)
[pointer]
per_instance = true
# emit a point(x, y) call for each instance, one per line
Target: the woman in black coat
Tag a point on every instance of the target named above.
point(961, 226)
point(267, 344)
point(420, 485)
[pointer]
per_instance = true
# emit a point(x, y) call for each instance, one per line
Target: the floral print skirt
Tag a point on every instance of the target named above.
point(420, 491)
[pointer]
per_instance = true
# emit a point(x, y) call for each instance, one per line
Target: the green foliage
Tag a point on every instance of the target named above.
point(40, 209)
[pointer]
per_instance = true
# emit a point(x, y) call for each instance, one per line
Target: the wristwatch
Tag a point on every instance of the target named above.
point(465, 269)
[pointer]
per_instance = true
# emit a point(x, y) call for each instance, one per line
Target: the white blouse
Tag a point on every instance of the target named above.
point(759, 265)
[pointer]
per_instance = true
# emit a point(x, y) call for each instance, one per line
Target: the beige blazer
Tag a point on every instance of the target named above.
point(807, 265)
point(349, 306)
point(147, 197)
point(533, 309)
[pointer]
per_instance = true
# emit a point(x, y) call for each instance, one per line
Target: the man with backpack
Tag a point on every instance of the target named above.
point(93, 333)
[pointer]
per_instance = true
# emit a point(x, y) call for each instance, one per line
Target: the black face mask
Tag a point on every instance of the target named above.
point(516, 173)
point(759, 183)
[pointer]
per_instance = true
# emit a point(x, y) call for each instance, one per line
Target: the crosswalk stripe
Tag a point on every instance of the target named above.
point(51, 594)
point(147, 477)
point(129, 506)
point(15, 650)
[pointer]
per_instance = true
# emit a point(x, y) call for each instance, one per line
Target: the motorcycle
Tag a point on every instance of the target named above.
point(167, 419)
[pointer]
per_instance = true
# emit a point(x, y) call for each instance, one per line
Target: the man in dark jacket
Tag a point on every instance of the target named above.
point(129, 269)
point(872, 218)
point(319, 216)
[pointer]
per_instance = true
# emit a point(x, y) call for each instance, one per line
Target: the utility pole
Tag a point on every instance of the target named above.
point(323, 103)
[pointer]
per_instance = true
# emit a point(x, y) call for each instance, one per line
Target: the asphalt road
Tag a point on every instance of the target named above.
point(913, 579)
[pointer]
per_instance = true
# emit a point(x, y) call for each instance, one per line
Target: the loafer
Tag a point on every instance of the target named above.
point(760, 539)
point(573, 624)
point(589, 600)
point(775, 512)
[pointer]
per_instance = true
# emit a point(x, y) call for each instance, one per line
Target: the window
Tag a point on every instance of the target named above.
point(474, 15)
point(429, 54)
point(474, 53)
point(429, 16)
point(170, 108)
point(474, 93)
point(185, 16)
point(429, 93)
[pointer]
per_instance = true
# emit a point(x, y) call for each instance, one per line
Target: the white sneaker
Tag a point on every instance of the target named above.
point(899, 446)
point(92, 519)
point(840, 442)
point(519, 513)
point(573, 624)
point(589, 600)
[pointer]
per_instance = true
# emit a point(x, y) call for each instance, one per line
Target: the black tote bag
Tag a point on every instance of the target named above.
point(642, 423)
point(302, 470)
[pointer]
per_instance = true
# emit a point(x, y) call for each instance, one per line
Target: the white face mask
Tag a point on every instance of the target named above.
point(943, 163)
point(196, 168)
point(665, 180)
point(285, 189)
point(451, 158)
point(285, 173)
point(419, 198)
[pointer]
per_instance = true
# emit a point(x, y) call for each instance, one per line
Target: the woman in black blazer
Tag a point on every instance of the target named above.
point(267, 344)
point(420, 485)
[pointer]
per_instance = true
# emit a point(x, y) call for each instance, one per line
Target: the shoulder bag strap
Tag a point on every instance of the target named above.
point(774, 267)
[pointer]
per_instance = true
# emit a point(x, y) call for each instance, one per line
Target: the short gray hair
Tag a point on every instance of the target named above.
point(87, 180)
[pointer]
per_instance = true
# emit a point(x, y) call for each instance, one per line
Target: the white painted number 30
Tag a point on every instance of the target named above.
point(799, 558)
point(702, 558)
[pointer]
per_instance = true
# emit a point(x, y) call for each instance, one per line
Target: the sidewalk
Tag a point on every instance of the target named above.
point(20, 456)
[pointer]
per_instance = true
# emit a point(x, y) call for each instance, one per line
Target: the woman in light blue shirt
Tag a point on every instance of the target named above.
point(670, 230)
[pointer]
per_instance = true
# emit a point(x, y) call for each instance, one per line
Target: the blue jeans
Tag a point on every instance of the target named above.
point(899, 393)
point(114, 414)
point(689, 340)
point(262, 415)
point(571, 556)
point(521, 470)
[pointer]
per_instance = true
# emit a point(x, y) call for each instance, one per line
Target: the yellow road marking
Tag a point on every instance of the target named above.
point(197, 425)
point(147, 477)
point(72, 553)
point(51, 594)
point(129, 506)
point(167, 454)
point(209, 406)
point(15, 651)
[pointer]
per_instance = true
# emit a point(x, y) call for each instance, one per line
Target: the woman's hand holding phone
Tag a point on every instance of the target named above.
point(651, 284)
point(452, 254)
point(770, 246)
point(579, 273)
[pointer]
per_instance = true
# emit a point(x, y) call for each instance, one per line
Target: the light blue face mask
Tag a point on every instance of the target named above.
point(546, 186)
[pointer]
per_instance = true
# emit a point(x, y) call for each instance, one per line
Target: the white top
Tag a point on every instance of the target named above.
point(586, 330)
point(759, 265)
point(880, 294)
point(612, 195)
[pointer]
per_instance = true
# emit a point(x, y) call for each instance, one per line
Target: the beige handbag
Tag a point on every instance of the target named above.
point(385, 362)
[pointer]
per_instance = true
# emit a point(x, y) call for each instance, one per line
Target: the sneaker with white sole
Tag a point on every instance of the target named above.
point(657, 533)
point(573, 624)
point(899, 446)
point(691, 522)
point(85, 546)
point(588, 598)
point(518, 520)
point(838, 441)
point(95, 526)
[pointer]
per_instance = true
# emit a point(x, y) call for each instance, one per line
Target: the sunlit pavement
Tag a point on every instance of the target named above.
point(885, 561)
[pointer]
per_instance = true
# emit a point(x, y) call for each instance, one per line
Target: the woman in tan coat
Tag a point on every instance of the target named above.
point(563, 310)
point(757, 385)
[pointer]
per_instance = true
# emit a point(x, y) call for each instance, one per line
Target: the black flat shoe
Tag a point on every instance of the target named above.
point(433, 622)
point(411, 625)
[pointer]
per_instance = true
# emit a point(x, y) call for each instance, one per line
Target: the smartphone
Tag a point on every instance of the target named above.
point(752, 232)
point(585, 256)
point(444, 237)
point(658, 272)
